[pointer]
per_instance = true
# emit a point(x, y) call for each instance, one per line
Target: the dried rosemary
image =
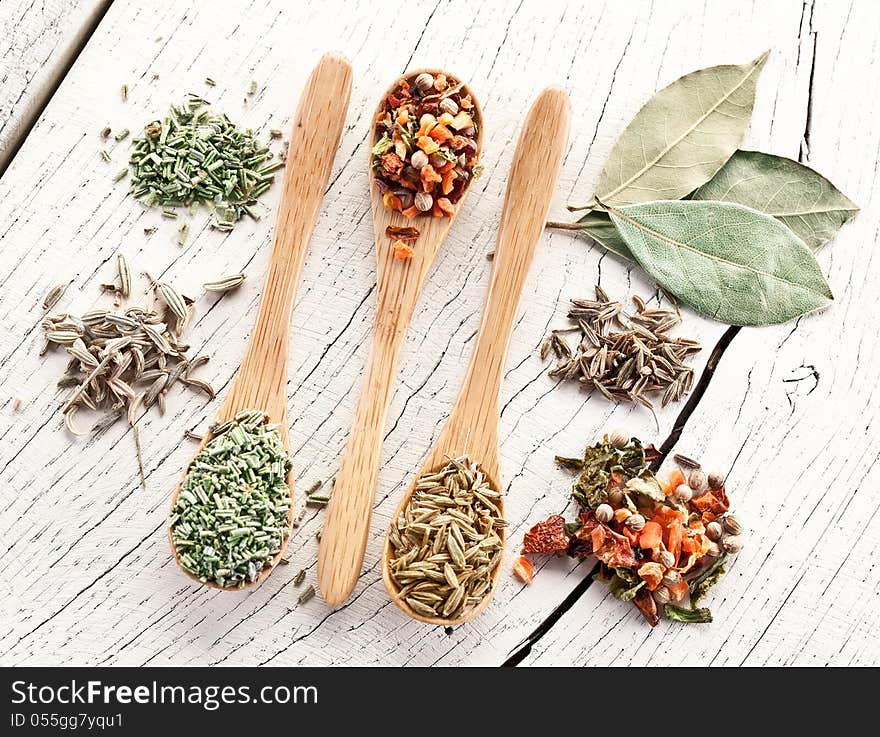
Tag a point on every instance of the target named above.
point(232, 514)
point(195, 156)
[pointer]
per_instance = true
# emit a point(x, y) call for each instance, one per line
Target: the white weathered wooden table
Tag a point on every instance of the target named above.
point(87, 576)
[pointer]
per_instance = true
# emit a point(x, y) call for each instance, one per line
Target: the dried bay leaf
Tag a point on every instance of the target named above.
point(795, 194)
point(682, 136)
point(730, 262)
point(599, 227)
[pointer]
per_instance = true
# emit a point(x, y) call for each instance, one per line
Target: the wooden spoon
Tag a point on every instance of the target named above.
point(261, 382)
point(344, 537)
point(472, 427)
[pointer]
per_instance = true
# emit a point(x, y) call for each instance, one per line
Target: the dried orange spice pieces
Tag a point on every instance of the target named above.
point(659, 544)
point(402, 250)
point(425, 154)
point(523, 569)
point(402, 240)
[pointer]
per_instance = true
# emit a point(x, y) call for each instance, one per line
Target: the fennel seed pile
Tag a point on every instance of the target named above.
point(124, 360)
point(448, 541)
point(232, 515)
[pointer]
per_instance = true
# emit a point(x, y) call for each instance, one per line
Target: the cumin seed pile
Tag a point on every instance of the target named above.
point(448, 541)
point(623, 356)
point(232, 515)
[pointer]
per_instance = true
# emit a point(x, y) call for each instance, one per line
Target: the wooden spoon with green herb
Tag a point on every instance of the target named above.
point(472, 427)
point(261, 382)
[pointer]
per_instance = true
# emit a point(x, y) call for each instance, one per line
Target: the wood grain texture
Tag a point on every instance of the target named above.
point(88, 578)
point(472, 427)
point(399, 283)
point(41, 40)
point(261, 382)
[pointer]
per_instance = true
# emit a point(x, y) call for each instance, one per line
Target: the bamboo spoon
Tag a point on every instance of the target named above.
point(344, 537)
point(472, 427)
point(261, 382)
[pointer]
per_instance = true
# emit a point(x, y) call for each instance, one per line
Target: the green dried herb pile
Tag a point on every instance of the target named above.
point(232, 515)
point(195, 156)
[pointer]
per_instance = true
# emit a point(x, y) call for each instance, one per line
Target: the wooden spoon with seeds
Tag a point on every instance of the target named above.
point(472, 427)
point(261, 381)
point(399, 281)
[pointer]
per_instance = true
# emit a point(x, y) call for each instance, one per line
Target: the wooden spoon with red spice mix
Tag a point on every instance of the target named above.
point(426, 142)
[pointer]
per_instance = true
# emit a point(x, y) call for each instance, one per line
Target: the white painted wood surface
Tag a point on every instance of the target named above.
point(41, 39)
point(87, 574)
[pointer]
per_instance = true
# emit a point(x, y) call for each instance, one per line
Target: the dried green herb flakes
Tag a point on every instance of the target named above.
point(699, 586)
point(232, 514)
point(599, 462)
point(196, 156)
point(694, 615)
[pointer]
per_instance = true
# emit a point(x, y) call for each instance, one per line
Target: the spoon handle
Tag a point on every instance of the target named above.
point(347, 524)
point(314, 139)
point(536, 162)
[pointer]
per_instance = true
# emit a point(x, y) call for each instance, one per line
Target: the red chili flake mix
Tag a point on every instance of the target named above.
point(426, 146)
point(658, 543)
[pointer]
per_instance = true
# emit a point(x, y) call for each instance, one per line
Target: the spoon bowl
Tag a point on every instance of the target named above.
point(261, 381)
point(433, 230)
point(454, 441)
point(227, 411)
point(472, 427)
point(399, 282)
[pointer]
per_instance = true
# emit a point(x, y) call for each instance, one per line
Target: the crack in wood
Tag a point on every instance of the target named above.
point(696, 396)
point(523, 649)
point(804, 152)
point(27, 122)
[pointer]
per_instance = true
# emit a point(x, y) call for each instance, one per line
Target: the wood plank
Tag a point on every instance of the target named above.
point(43, 39)
point(797, 403)
point(96, 584)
